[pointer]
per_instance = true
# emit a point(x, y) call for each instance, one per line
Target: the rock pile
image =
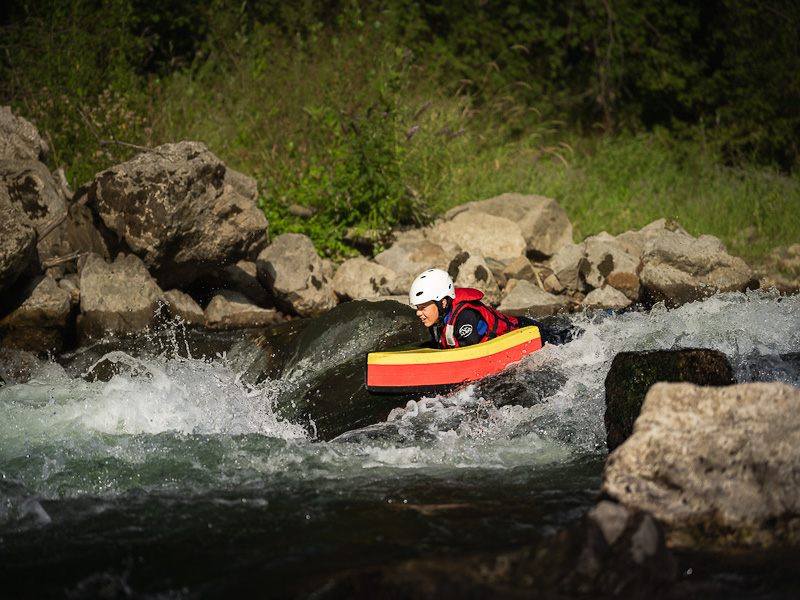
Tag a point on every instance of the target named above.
point(175, 234)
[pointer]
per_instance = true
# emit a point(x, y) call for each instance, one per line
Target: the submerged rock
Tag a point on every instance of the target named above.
point(615, 552)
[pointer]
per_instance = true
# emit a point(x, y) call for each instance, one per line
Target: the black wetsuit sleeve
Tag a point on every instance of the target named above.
point(469, 327)
point(435, 340)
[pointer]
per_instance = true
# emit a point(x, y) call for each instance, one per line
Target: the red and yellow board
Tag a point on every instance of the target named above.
point(421, 369)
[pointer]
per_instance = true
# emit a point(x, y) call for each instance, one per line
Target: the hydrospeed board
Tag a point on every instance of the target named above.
point(426, 369)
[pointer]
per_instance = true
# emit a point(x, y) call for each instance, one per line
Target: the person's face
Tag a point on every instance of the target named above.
point(428, 313)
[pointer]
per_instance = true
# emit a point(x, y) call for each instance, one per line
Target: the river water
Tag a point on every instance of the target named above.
point(174, 479)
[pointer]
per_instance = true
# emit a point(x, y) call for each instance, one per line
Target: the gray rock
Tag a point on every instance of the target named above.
point(229, 309)
point(632, 374)
point(361, 279)
point(412, 253)
point(633, 241)
point(32, 188)
point(19, 138)
point(180, 210)
point(542, 221)
point(292, 271)
point(609, 263)
point(182, 307)
point(605, 298)
point(17, 242)
point(521, 268)
point(553, 285)
point(526, 299)
point(40, 323)
point(570, 266)
point(495, 237)
point(120, 298)
point(678, 268)
point(717, 466)
point(597, 261)
point(469, 269)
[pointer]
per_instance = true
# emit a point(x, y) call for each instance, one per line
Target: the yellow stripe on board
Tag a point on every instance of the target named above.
point(422, 356)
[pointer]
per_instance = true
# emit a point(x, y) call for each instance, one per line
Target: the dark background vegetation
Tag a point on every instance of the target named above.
point(379, 114)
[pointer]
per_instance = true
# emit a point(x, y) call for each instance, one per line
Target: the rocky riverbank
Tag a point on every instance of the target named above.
point(173, 234)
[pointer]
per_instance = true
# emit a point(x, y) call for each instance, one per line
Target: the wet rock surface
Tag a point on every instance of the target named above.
point(632, 374)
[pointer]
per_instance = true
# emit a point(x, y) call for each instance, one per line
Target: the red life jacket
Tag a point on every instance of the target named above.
point(470, 298)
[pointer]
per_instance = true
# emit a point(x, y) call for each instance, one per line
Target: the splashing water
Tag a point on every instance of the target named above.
point(176, 456)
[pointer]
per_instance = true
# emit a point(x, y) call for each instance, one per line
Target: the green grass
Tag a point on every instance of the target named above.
point(349, 123)
point(624, 182)
point(326, 124)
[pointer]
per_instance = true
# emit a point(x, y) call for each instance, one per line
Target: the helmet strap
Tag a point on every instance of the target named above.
point(442, 310)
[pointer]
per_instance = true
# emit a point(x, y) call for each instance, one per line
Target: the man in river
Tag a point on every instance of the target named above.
point(455, 317)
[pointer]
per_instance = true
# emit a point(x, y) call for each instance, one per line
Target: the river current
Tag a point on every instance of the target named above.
point(175, 479)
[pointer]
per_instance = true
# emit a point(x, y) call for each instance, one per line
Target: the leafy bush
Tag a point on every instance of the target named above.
point(623, 112)
point(70, 68)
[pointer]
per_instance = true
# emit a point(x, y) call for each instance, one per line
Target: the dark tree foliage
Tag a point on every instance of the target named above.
point(726, 70)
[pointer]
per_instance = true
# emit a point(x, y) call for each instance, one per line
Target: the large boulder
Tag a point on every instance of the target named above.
point(32, 188)
point(544, 224)
point(495, 237)
point(678, 268)
point(632, 374)
point(633, 241)
point(292, 271)
point(19, 138)
point(717, 466)
point(17, 243)
point(42, 321)
point(120, 298)
point(181, 210)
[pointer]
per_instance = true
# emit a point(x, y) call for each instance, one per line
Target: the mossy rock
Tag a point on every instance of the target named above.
point(632, 374)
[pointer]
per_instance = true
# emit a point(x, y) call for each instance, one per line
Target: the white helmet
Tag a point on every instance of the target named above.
point(433, 284)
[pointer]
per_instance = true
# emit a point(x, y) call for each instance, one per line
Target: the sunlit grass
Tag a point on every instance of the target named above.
point(283, 114)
